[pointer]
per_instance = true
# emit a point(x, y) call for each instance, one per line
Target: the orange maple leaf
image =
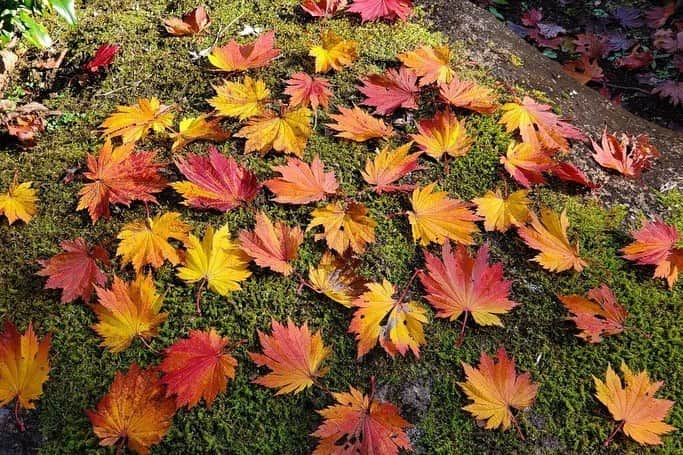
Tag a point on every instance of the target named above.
point(526, 164)
point(357, 125)
point(134, 412)
point(191, 23)
point(306, 90)
point(287, 133)
point(272, 245)
point(549, 236)
point(431, 64)
point(345, 226)
point(436, 218)
point(496, 389)
point(443, 134)
point(197, 367)
point(294, 355)
point(233, 57)
point(469, 95)
point(133, 123)
point(336, 278)
point(629, 156)
point(24, 366)
point(656, 244)
point(197, 128)
point(389, 166)
point(301, 183)
point(639, 413)
point(360, 424)
point(599, 315)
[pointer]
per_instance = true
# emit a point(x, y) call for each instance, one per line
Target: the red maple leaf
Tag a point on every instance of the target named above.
point(323, 8)
point(104, 56)
point(382, 9)
point(306, 90)
point(197, 367)
point(234, 57)
point(630, 155)
point(656, 244)
point(75, 270)
point(215, 182)
point(272, 245)
point(597, 316)
point(391, 90)
point(567, 172)
point(672, 90)
point(636, 60)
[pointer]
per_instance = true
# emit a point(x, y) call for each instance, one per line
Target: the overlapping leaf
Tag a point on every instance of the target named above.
point(234, 57)
point(431, 64)
point(287, 133)
point(301, 183)
point(240, 99)
point(469, 95)
point(272, 245)
point(628, 155)
point(133, 123)
point(306, 90)
point(389, 166)
point(334, 53)
point(382, 9)
point(526, 164)
point(323, 8)
point(443, 134)
point(198, 128)
point(656, 244)
point(19, 202)
point(599, 315)
point(336, 278)
point(391, 90)
point(192, 22)
point(501, 212)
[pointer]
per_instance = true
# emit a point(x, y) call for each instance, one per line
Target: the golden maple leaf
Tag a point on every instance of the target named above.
point(287, 133)
point(436, 218)
point(495, 388)
point(549, 236)
point(196, 128)
point(640, 414)
point(146, 241)
point(335, 277)
point(217, 260)
point(357, 125)
point(133, 123)
point(345, 226)
point(444, 134)
point(334, 52)
point(24, 366)
point(127, 311)
point(502, 212)
point(19, 203)
point(432, 64)
point(240, 99)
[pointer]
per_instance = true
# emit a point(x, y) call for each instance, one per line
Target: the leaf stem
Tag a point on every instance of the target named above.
point(517, 427)
point(614, 433)
point(147, 345)
point(639, 330)
point(406, 288)
point(303, 283)
point(322, 386)
point(198, 299)
point(461, 338)
point(20, 422)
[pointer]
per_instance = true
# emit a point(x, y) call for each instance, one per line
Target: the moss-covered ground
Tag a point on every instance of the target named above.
point(249, 419)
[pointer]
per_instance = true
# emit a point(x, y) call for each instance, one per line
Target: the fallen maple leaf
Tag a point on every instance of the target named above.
point(656, 244)
point(306, 90)
point(431, 64)
point(640, 415)
point(216, 261)
point(567, 172)
point(539, 126)
point(336, 278)
point(584, 70)
point(672, 90)
point(198, 128)
point(215, 182)
point(436, 218)
point(629, 156)
point(549, 236)
point(360, 424)
point(382, 9)
point(146, 241)
point(295, 356)
point(389, 166)
point(233, 57)
point(272, 245)
point(526, 164)
point(657, 16)
point(24, 366)
point(119, 176)
point(104, 56)
point(323, 8)
point(357, 125)
point(301, 183)
point(240, 99)
point(197, 367)
point(443, 134)
point(468, 95)
point(133, 123)
point(192, 23)
point(501, 212)
point(287, 133)
point(636, 60)
point(75, 270)
point(345, 226)
point(599, 315)
point(402, 329)
point(19, 202)
point(591, 46)
point(496, 389)
point(128, 311)
point(134, 412)
point(391, 90)
point(334, 52)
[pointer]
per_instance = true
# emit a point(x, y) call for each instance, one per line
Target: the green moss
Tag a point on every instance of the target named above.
point(248, 418)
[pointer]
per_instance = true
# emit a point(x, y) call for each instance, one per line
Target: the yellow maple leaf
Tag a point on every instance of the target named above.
point(19, 203)
point(286, 133)
point(500, 213)
point(336, 278)
point(24, 366)
point(334, 52)
point(345, 226)
point(240, 99)
point(146, 241)
point(402, 328)
point(432, 64)
point(436, 218)
point(127, 311)
point(444, 134)
point(196, 128)
point(133, 123)
point(549, 236)
point(217, 260)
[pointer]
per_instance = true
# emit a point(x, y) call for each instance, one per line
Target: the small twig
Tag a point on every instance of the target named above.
point(303, 283)
point(20, 423)
point(614, 433)
point(110, 92)
point(147, 345)
point(625, 87)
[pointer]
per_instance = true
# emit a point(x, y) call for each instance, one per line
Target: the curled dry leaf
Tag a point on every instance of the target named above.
point(345, 226)
point(584, 70)
point(630, 155)
point(389, 166)
point(301, 183)
point(468, 95)
point(133, 123)
point(192, 23)
point(599, 315)
point(234, 57)
point(295, 356)
point(272, 245)
point(443, 134)
point(357, 125)
point(103, 57)
point(656, 244)
point(431, 64)
point(306, 90)
point(287, 133)
point(240, 99)
point(334, 53)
